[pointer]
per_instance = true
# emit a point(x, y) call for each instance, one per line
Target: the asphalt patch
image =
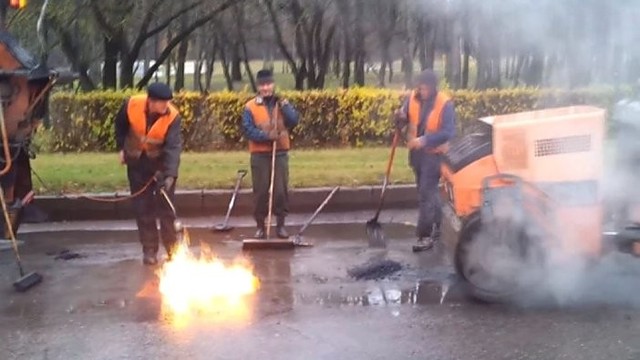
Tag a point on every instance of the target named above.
point(375, 269)
point(65, 255)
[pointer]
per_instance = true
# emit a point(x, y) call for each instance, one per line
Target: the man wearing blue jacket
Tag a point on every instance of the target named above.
point(430, 119)
point(267, 121)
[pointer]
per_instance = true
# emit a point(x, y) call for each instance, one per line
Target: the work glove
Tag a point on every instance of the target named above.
point(168, 182)
point(400, 119)
point(162, 181)
point(282, 102)
point(273, 135)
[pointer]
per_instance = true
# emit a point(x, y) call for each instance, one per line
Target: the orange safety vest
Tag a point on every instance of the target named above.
point(265, 122)
point(140, 139)
point(434, 120)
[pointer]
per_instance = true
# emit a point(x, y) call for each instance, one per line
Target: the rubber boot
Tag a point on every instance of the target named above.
point(281, 232)
point(261, 232)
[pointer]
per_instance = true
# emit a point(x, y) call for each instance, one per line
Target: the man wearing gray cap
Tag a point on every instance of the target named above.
point(148, 138)
point(430, 117)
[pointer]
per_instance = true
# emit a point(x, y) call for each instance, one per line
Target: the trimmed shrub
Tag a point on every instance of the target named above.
point(354, 117)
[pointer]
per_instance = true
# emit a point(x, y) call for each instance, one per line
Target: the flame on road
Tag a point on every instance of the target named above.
point(204, 288)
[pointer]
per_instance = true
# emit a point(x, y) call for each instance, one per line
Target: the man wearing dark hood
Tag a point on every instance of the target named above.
point(430, 119)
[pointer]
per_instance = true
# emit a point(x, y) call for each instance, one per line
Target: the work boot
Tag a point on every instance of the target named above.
point(149, 257)
point(435, 234)
point(170, 251)
point(423, 244)
point(281, 232)
point(261, 232)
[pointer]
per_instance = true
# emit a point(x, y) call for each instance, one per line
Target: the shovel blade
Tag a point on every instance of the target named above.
point(299, 242)
point(376, 235)
point(222, 228)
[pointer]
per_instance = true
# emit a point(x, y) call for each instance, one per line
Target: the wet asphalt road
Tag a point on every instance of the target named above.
point(106, 305)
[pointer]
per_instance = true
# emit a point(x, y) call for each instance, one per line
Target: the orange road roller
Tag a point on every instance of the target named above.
point(520, 191)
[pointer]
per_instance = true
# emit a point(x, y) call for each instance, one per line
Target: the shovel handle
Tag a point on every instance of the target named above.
point(394, 145)
point(315, 214)
point(241, 174)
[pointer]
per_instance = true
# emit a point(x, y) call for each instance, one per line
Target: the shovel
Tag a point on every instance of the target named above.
point(297, 239)
point(374, 229)
point(224, 227)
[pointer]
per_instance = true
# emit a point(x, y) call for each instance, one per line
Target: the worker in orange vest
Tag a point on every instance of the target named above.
point(269, 118)
point(430, 119)
point(148, 137)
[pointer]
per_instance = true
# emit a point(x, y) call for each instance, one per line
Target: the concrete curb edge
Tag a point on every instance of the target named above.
point(198, 203)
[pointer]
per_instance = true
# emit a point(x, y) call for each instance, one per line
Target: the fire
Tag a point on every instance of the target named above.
point(205, 288)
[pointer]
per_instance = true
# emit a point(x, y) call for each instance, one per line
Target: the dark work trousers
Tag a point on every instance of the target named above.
point(426, 168)
point(261, 178)
point(151, 206)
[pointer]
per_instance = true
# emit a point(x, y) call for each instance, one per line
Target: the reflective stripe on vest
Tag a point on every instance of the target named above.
point(139, 139)
point(434, 119)
point(263, 120)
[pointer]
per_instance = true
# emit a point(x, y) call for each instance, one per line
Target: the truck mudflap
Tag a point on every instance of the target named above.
point(496, 248)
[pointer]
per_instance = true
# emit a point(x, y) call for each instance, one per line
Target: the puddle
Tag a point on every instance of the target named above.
point(427, 292)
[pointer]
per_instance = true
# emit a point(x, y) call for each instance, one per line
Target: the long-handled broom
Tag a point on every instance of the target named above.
point(25, 282)
point(255, 244)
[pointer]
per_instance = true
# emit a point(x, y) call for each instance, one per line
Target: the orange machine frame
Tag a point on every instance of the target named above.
point(558, 153)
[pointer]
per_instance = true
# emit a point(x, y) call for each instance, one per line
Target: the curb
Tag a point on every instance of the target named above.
point(198, 203)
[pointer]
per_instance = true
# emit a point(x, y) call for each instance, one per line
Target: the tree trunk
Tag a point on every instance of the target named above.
point(430, 47)
point(236, 61)
point(110, 68)
point(210, 65)
point(465, 64)
point(183, 48)
point(126, 71)
point(452, 70)
point(336, 62)
point(346, 44)
point(247, 66)
point(407, 66)
point(225, 67)
point(360, 52)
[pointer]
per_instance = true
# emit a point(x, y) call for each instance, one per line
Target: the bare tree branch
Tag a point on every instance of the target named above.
point(181, 36)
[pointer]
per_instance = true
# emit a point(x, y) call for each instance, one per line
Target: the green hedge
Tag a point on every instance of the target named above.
point(84, 122)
